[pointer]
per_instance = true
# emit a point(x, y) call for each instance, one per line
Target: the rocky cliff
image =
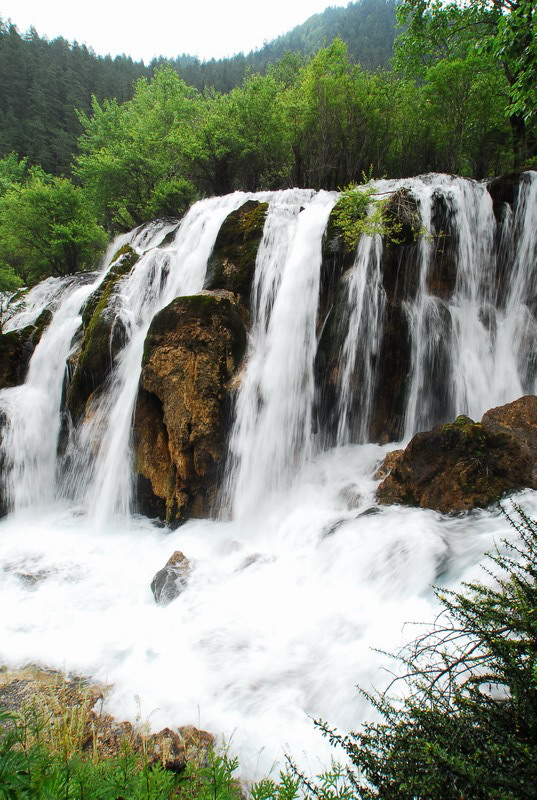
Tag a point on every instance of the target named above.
point(193, 349)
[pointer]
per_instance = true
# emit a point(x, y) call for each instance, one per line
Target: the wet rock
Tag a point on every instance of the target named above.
point(519, 419)
point(369, 512)
point(389, 462)
point(504, 189)
point(459, 466)
point(103, 337)
point(401, 214)
point(193, 349)
point(232, 262)
point(392, 368)
point(336, 259)
point(16, 350)
point(401, 258)
point(442, 274)
point(170, 581)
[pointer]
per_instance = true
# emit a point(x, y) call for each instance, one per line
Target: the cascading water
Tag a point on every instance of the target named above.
point(287, 598)
point(470, 349)
point(160, 275)
point(272, 436)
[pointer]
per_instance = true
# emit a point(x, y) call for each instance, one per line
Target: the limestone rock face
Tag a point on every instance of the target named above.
point(232, 263)
point(465, 465)
point(171, 580)
point(16, 350)
point(193, 348)
point(103, 336)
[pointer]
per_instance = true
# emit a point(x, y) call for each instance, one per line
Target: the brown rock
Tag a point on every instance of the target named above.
point(68, 706)
point(390, 461)
point(457, 467)
point(518, 418)
point(193, 348)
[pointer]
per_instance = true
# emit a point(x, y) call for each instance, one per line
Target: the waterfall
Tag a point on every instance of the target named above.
point(271, 439)
point(303, 582)
point(160, 275)
point(470, 348)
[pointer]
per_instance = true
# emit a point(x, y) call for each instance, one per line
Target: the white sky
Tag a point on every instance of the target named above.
point(206, 28)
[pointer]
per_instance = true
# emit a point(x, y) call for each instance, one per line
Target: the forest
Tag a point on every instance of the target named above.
point(91, 145)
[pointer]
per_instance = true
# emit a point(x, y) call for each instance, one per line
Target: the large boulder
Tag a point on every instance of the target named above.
point(192, 351)
point(465, 465)
point(16, 350)
point(518, 419)
point(103, 336)
point(232, 263)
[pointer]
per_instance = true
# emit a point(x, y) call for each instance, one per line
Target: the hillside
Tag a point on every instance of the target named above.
point(42, 82)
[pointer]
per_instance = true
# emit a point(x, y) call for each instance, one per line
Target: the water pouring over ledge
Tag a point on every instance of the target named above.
point(289, 595)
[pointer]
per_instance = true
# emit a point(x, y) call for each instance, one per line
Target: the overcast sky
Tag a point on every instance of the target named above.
point(206, 28)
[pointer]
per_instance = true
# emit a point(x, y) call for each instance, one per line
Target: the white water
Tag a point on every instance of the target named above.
point(468, 353)
point(287, 599)
point(271, 439)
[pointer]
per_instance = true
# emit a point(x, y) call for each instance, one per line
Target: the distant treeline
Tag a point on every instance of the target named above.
point(460, 96)
point(43, 83)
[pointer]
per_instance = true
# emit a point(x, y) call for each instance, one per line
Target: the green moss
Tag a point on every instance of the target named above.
point(102, 337)
point(121, 264)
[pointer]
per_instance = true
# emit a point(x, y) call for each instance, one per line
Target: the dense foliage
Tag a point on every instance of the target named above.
point(47, 226)
point(460, 99)
point(41, 85)
point(487, 33)
point(42, 82)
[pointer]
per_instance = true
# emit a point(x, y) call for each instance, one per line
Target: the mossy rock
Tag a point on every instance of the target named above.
point(121, 264)
point(459, 466)
point(232, 262)
point(16, 350)
point(207, 309)
point(103, 336)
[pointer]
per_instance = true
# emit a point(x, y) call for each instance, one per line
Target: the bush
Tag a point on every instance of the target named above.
point(47, 227)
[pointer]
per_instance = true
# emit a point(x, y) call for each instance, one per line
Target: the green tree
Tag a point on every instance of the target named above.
point(48, 227)
point(468, 726)
point(258, 119)
point(133, 155)
point(505, 30)
point(463, 105)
